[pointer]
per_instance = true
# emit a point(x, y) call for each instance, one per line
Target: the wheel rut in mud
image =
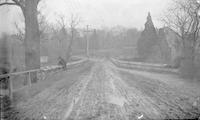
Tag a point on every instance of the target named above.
point(106, 93)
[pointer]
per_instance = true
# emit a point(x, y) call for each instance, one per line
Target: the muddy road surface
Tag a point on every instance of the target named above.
point(106, 92)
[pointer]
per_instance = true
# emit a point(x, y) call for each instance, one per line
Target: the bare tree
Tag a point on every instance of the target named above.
point(44, 27)
point(63, 26)
point(183, 18)
point(74, 21)
point(20, 32)
point(32, 37)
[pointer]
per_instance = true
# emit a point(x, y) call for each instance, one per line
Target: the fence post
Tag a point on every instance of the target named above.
point(29, 78)
point(10, 87)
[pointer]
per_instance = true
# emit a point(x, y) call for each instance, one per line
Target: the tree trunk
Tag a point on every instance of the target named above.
point(32, 38)
point(69, 49)
point(188, 68)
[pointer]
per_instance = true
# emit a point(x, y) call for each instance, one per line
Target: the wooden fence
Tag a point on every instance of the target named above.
point(27, 73)
point(144, 66)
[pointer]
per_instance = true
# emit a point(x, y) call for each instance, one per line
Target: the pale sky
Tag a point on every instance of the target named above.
point(96, 13)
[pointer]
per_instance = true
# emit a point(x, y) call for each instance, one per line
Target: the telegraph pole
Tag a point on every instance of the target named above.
point(87, 41)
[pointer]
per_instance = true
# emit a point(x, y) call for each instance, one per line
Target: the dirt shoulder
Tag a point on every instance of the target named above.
point(52, 77)
point(171, 96)
point(51, 100)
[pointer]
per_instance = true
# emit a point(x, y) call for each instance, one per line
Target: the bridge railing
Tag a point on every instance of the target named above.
point(26, 75)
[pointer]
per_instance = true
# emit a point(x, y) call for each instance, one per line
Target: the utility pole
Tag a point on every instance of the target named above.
point(87, 41)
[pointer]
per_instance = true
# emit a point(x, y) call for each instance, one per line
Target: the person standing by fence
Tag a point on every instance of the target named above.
point(62, 62)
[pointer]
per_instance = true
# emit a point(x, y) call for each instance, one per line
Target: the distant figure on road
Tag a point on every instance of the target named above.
point(62, 62)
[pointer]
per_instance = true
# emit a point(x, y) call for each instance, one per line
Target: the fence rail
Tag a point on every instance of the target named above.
point(27, 73)
point(144, 66)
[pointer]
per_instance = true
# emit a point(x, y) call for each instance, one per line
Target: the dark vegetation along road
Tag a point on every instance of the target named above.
point(107, 92)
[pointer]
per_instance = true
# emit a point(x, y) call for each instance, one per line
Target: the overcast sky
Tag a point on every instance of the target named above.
point(96, 13)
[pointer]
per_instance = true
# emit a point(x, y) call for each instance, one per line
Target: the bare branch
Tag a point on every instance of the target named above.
point(7, 3)
point(19, 3)
point(75, 20)
point(20, 33)
point(175, 32)
point(61, 21)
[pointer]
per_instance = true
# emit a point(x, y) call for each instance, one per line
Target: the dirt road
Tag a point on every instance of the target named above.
point(108, 93)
